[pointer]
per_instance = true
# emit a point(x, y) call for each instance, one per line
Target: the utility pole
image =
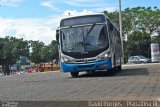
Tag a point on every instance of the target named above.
point(120, 25)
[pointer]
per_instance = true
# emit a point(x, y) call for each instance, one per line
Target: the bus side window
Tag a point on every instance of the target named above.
point(110, 30)
point(63, 36)
point(117, 36)
point(110, 27)
point(102, 37)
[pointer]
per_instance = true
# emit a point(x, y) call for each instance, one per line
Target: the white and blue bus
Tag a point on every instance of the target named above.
point(89, 43)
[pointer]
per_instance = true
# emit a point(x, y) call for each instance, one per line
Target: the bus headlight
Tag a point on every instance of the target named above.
point(104, 56)
point(67, 59)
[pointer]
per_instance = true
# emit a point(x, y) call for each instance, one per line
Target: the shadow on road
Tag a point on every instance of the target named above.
point(96, 74)
point(133, 72)
point(124, 72)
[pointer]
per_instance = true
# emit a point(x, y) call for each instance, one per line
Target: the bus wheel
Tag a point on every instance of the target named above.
point(74, 74)
point(115, 67)
point(93, 71)
point(119, 68)
point(88, 72)
point(111, 71)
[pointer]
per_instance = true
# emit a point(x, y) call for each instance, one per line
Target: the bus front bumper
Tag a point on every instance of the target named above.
point(100, 65)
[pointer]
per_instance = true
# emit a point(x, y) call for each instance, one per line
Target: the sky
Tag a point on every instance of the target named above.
point(39, 19)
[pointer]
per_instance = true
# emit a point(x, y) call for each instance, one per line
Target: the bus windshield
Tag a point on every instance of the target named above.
point(84, 38)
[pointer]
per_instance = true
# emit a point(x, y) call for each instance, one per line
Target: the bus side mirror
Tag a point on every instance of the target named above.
point(57, 36)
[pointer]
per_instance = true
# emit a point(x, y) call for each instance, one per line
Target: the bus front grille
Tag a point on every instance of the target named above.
point(85, 66)
point(85, 60)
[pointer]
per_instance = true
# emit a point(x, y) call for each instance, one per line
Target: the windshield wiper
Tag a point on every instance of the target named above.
point(90, 30)
point(84, 37)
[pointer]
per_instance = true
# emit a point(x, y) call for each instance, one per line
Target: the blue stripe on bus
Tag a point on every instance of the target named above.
point(100, 65)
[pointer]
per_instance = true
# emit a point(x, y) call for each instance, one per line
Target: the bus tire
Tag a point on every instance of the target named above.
point(93, 71)
point(115, 67)
point(119, 68)
point(74, 74)
point(111, 71)
point(88, 72)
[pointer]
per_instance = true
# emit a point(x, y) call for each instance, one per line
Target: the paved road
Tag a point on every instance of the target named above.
point(135, 82)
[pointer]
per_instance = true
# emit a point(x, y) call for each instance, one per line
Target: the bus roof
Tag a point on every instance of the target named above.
point(83, 15)
point(83, 19)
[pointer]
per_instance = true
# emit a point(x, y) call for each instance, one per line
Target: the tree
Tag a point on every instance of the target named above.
point(49, 52)
point(156, 39)
point(139, 24)
point(11, 49)
point(1, 52)
point(36, 48)
point(45, 53)
point(54, 50)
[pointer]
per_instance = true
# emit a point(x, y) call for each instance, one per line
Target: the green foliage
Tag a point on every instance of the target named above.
point(10, 51)
point(35, 54)
point(12, 48)
point(54, 50)
point(43, 53)
point(138, 24)
point(156, 39)
point(1, 52)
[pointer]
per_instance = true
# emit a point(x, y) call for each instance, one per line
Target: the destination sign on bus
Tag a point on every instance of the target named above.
point(90, 19)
